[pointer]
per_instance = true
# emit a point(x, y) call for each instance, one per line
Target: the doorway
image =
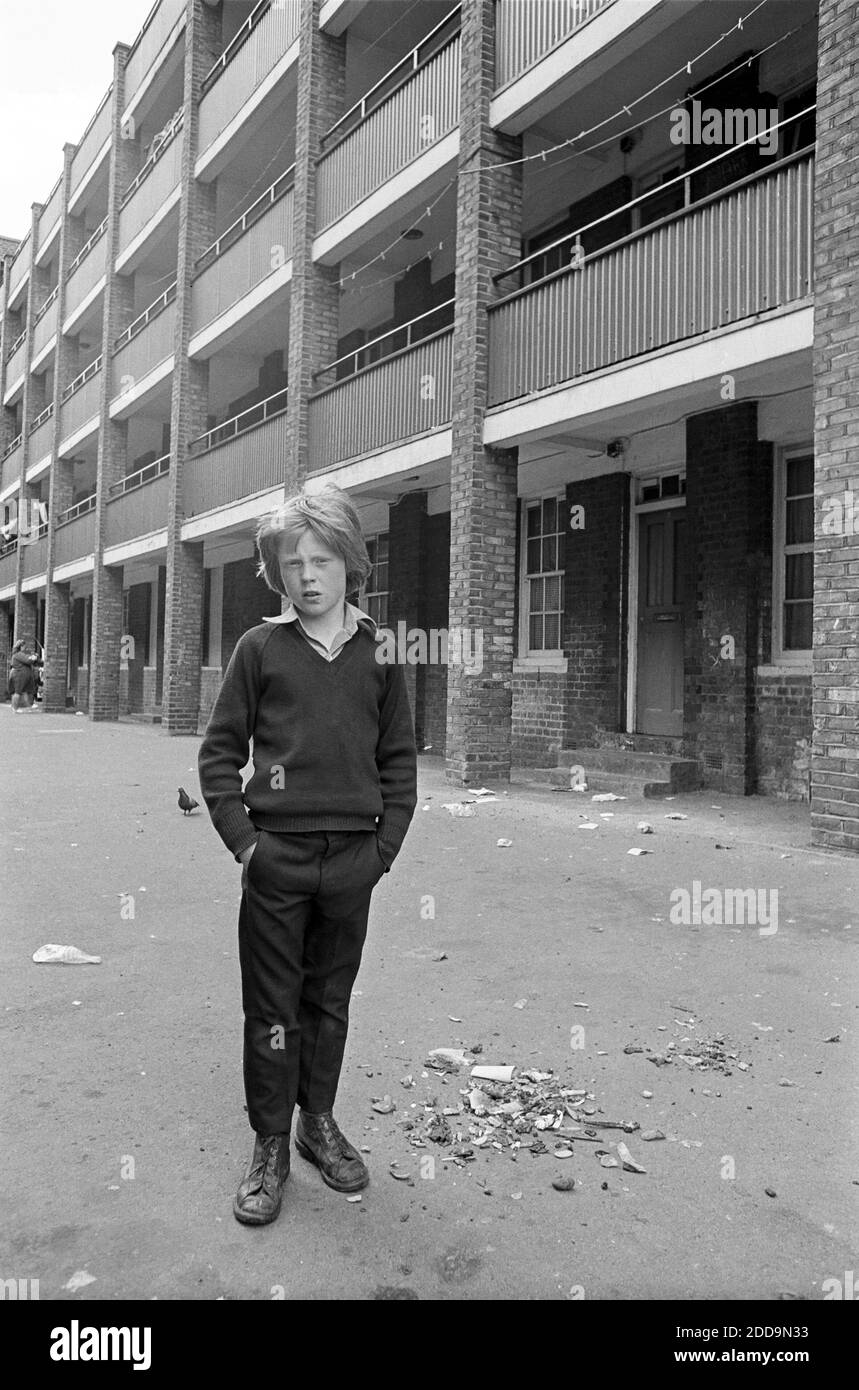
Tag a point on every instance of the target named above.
point(661, 572)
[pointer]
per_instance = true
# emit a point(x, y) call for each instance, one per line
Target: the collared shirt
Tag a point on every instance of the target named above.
point(354, 618)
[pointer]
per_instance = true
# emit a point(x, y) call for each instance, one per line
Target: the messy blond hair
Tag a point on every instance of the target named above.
point(331, 516)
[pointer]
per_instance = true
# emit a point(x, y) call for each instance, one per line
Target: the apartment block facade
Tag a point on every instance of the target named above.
point(526, 279)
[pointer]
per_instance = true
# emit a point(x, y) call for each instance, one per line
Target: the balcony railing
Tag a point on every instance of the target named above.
point(137, 505)
point(153, 185)
point(20, 266)
point(402, 395)
point(525, 30)
point(16, 360)
point(86, 269)
point(156, 30)
point(253, 248)
point(45, 322)
point(34, 554)
point(8, 564)
point(91, 142)
point(50, 213)
point(740, 252)
point(75, 533)
point(368, 146)
point(145, 344)
point(42, 434)
point(226, 469)
point(81, 400)
point(10, 464)
point(247, 60)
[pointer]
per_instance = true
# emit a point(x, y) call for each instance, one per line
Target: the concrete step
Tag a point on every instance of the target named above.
point(613, 765)
point(622, 783)
point(148, 717)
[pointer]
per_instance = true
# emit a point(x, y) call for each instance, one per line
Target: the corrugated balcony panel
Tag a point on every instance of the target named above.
point(740, 254)
point(10, 469)
point(158, 25)
point(525, 30)
point(146, 350)
point(49, 214)
point(245, 65)
point(20, 265)
point(41, 440)
point(138, 512)
point(15, 364)
point(80, 407)
point(86, 275)
point(75, 539)
point(400, 396)
point(46, 327)
point(260, 251)
point(414, 118)
point(91, 143)
point(250, 463)
point(34, 557)
point(8, 568)
point(152, 193)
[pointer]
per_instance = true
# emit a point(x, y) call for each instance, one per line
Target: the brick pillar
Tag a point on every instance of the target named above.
point(57, 596)
point(407, 547)
point(835, 684)
point(8, 335)
point(595, 608)
point(728, 521)
point(190, 396)
point(25, 613)
point(314, 291)
point(106, 631)
point(482, 481)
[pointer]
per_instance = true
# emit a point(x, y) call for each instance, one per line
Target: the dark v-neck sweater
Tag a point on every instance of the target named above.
point(333, 742)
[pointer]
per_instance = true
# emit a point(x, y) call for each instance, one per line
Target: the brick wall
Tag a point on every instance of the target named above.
point(433, 727)
point(783, 736)
point(595, 599)
point(407, 522)
point(539, 717)
point(247, 600)
point(835, 764)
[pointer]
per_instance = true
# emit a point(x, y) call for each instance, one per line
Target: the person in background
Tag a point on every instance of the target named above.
point(23, 671)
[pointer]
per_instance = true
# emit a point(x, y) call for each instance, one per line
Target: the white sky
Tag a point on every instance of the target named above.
point(57, 65)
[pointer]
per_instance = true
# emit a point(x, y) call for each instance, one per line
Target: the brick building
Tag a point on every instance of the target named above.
point(593, 402)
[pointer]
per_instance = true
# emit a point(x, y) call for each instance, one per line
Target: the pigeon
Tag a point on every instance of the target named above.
point(186, 803)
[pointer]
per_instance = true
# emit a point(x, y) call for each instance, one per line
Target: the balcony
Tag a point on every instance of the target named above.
point(526, 30)
point(19, 270)
point(75, 532)
point(404, 394)
point(93, 146)
point(16, 361)
point(42, 435)
point(45, 325)
point(406, 114)
point(137, 505)
point(10, 464)
point(242, 69)
point(8, 564)
point(145, 345)
point(81, 402)
point(157, 29)
point(49, 217)
point(85, 271)
point(244, 256)
point(34, 554)
point(740, 252)
point(237, 459)
point(157, 180)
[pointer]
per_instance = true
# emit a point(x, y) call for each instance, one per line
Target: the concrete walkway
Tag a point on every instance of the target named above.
point(124, 1133)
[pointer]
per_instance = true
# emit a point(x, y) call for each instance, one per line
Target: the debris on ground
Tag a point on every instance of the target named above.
point(607, 796)
point(649, 1135)
point(644, 827)
point(448, 1059)
point(676, 815)
point(588, 825)
point(637, 850)
point(503, 844)
point(486, 1073)
point(439, 955)
point(385, 1106)
point(699, 1054)
point(63, 955)
point(770, 1191)
point(564, 1184)
point(520, 1003)
point(629, 1163)
point(458, 808)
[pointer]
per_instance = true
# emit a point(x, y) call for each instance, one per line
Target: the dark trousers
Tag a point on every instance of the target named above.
point(302, 924)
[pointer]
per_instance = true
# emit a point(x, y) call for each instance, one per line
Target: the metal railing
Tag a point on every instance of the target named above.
point(254, 248)
point(18, 343)
point(739, 252)
point(83, 377)
point(42, 435)
point(50, 213)
point(526, 30)
point(138, 510)
point(45, 322)
point(91, 142)
point(86, 270)
point(75, 536)
point(236, 468)
point(40, 419)
point(86, 248)
point(10, 448)
point(10, 464)
point(153, 184)
point(406, 394)
point(19, 267)
point(147, 474)
point(138, 324)
point(267, 33)
point(393, 340)
point(157, 27)
point(81, 400)
point(151, 345)
point(86, 504)
point(422, 110)
point(238, 424)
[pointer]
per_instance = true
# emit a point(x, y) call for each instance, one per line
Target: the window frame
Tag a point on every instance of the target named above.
point(364, 594)
point(542, 656)
point(796, 658)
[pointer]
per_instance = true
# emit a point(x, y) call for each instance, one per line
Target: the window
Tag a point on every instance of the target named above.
point(662, 201)
point(544, 574)
point(374, 595)
point(793, 555)
point(801, 131)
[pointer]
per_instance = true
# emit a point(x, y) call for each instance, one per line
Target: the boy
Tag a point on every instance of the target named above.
point(333, 749)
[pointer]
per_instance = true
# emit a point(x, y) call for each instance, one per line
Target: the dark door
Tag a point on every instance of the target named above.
point(659, 694)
